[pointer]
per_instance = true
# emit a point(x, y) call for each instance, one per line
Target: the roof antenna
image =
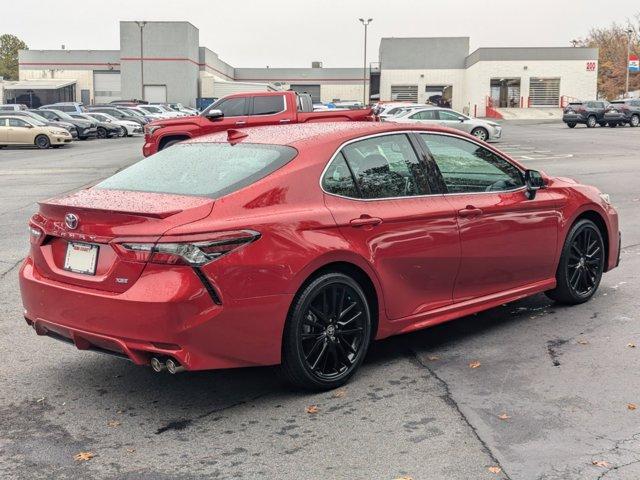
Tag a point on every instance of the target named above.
point(235, 136)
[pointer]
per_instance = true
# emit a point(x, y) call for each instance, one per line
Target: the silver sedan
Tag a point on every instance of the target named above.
point(483, 129)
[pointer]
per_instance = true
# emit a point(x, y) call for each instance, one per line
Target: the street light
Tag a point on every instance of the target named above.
point(141, 26)
point(626, 88)
point(364, 67)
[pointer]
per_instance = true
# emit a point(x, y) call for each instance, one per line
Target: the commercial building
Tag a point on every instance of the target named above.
point(163, 61)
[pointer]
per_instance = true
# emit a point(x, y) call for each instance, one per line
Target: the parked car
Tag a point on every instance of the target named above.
point(137, 113)
point(33, 114)
point(325, 237)
point(67, 107)
point(152, 113)
point(160, 110)
point(11, 107)
point(17, 130)
point(242, 110)
point(384, 110)
point(128, 128)
point(86, 129)
point(103, 129)
point(590, 113)
point(128, 103)
point(120, 113)
point(629, 110)
point(483, 129)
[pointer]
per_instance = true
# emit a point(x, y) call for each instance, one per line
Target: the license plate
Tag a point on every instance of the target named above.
point(81, 258)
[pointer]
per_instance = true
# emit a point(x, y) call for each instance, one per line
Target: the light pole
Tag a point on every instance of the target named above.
point(141, 26)
point(626, 88)
point(364, 67)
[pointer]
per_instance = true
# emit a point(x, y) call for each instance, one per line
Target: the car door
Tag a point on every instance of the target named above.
point(451, 119)
point(20, 132)
point(424, 117)
point(378, 192)
point(234, 110)
point(506, 240)
point(269, 110)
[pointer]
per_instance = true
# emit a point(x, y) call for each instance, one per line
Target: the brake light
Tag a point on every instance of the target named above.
point(35, 235)
point(192, 253)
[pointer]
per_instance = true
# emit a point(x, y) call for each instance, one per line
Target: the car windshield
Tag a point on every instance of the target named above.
point(64, 115)
point(40, 118)
point(201, 169)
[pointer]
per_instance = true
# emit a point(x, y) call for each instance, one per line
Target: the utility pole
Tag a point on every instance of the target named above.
point(626, 88)
point(364, 67)
point(141, 27)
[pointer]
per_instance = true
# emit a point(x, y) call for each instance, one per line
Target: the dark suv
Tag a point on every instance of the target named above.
point(629, 109)
point(591, 113)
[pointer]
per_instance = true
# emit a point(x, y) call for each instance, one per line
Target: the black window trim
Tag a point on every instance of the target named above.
point(253, 98)
point(414, 146)
point(443, 187)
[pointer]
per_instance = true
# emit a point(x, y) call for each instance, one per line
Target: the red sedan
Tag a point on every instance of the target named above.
point(298, 245)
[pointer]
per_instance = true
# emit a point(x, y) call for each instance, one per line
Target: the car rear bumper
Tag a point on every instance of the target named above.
point(165, 313)
point(573, 118)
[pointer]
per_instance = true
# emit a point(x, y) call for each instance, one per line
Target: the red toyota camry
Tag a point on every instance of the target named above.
point(298, 245)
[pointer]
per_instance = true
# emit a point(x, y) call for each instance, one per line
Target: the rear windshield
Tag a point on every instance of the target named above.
point(201, 169)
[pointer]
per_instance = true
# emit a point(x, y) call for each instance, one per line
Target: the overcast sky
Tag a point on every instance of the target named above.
point(289, 33)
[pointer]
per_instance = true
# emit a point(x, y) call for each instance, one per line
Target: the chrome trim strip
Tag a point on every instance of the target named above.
point(393, 132)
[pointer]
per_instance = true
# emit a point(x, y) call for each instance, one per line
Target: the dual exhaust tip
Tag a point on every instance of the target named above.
point(172, 366)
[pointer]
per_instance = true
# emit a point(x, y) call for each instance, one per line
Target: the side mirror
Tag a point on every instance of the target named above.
point(461, 118)
point(214, 115)
point(28, 125)
point(534, 181)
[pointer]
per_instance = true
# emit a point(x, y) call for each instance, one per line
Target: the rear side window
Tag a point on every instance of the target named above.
point(201, 169)
point(337, 179)
point(268, 105)
point(424, 115)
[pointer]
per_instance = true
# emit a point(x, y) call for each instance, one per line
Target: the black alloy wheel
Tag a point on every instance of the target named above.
point(102, 132)
point(328, 333)
point(581, 264)
point(42, 141)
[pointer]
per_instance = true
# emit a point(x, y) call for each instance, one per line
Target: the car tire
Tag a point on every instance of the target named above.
point(581, 264)
point(42, 141)
point(327, 332)
point(591, 121)
point(571, 124)
point(101, 132)
point(480, 133)
point(635, 121)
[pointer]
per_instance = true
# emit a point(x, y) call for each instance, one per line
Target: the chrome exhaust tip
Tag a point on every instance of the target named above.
point(157, 365)
point(174, 367)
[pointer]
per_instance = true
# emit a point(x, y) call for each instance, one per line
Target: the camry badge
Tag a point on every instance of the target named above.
point(71, 221)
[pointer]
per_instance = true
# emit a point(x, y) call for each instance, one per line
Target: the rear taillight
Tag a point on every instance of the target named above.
point(35, 235)
point(192, 253)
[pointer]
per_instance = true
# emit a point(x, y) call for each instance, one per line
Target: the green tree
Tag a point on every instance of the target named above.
point(9, 46)
point(612, 63)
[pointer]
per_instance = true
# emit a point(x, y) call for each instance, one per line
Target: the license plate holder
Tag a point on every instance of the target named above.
point(81, 258)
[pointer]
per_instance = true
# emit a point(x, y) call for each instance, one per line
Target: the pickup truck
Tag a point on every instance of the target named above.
point(243, 110)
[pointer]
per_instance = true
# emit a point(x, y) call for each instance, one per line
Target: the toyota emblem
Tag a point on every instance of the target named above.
point(71, 221)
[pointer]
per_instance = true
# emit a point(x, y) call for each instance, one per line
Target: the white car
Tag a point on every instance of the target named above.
point(164, 110)
point(385, 110)
point(130, 127)
point(151, 113)
point(483, 129)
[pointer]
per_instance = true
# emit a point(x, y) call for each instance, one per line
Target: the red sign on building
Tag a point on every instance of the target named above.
point(591, 66)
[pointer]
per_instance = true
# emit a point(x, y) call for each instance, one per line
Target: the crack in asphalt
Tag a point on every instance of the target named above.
point(448, 398)
point(13, 267)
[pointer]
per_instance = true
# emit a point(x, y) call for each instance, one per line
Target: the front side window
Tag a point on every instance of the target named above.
point(424, 115)
point(467, 167)
point(201, 169)
point(268, 105)
point(386, 166)
point(233, 107)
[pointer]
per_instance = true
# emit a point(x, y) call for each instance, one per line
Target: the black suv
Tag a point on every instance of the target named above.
point(629, 108)
point(591, 113)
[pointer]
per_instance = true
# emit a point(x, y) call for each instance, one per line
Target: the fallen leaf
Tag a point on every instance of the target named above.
point(83, 456)
point(601, 463)
point(433, 358)
point(474, 364)
point(631, 406)
point(495, 469)
point(41, 399)
point(583, 342)
point(312, 409)
point(131, 450)
point(631, 345)
point(113, 423)
point(504, 416)
point(405, 477)
point(341, 392)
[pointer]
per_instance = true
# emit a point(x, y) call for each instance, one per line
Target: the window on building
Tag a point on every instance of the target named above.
point(466, 167)
point(268, 105)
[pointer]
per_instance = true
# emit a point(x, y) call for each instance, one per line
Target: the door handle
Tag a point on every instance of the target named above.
point(285, 120)
point(365, 221)
point(470, 211)
point(240, 123)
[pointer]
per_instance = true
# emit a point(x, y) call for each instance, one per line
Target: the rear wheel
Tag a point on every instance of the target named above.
point(571, 124)
point(42, 141)
point(635, 121)
point(591, 121)
point(480, 133)
point(327, 334)
point(581, 264)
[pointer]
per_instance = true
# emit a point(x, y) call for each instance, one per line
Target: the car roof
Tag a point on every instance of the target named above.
point(302, 133)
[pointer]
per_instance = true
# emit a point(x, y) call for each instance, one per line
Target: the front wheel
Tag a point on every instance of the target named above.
point(102, 132)
point(327, 334)
point(480, 133)
point(635, 121)
point(42, 141)
point(591, 121)
point(581, 265)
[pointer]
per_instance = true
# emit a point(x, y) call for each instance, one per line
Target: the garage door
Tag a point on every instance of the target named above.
point(544, 92)
point(106, 86)
point(155, 93)
point(404, 93)
point(313, 90)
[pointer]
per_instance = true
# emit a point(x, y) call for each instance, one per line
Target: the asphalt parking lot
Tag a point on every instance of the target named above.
point(552, 398)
